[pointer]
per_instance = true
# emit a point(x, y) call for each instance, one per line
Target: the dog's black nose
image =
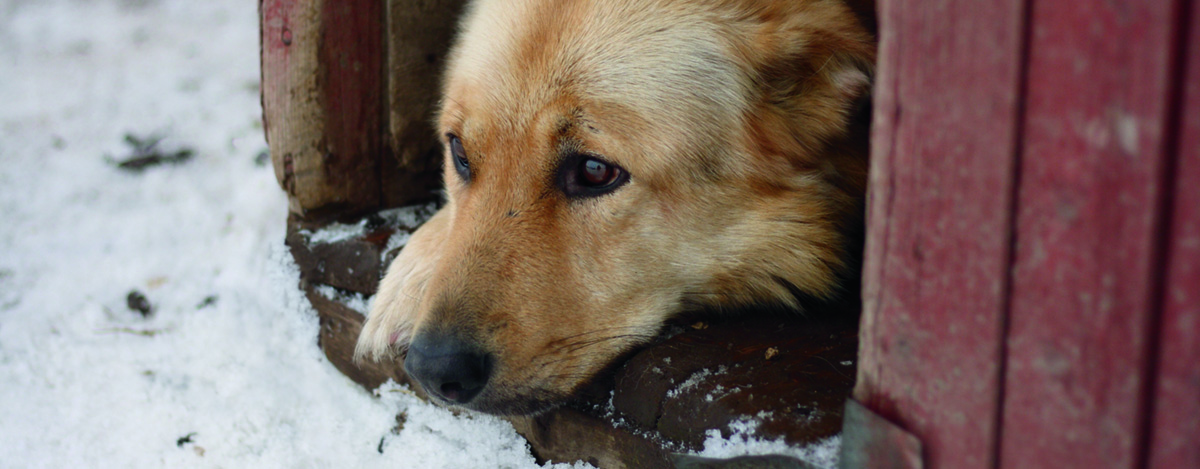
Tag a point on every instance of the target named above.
point(448, 367)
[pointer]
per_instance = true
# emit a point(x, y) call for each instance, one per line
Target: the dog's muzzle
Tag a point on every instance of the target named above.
point(448, 367)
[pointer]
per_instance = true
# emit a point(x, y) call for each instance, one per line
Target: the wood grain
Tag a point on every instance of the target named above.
point(322, 101)
point(1084, 281)
point(943, 155)
point(419, 34)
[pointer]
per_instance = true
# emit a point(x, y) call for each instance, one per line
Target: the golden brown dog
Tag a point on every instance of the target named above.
point(611, 163)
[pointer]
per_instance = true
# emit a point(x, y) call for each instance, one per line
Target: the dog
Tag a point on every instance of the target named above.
point(610, 164)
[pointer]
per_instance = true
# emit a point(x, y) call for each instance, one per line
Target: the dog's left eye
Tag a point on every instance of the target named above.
point(588, 176)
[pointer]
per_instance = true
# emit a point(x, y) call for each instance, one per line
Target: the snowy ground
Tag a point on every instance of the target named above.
point(225, 371)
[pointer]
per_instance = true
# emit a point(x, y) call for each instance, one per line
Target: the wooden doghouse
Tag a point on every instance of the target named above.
point(1032, 271)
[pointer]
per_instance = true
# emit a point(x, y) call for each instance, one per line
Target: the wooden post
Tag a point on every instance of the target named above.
point(419, 33)
point(322, 101)
point(1089, 232)
point(935, 276)
point(349, 90)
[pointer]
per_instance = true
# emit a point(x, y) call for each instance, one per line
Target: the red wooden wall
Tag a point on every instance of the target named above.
point(1032, 278)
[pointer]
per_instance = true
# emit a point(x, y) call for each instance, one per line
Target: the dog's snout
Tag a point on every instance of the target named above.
point(448, 367)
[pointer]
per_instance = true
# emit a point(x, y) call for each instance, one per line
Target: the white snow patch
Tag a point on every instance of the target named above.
point(335, 232)
point(435, 434)
point(405, 217)
point(411, 216)
point(693, 380)
point(408, 219)
point(720, 392)
point(743, 441)
point(352, 300)
point(85, 380)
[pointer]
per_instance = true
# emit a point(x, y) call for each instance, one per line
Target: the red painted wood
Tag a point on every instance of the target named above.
point(275, 42)
point(943, 152)
point(1084, 282)
point(322, 91)
point(1175, 439)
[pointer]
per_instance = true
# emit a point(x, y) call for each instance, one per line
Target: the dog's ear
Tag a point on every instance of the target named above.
point(812, 69)
point(811, 63)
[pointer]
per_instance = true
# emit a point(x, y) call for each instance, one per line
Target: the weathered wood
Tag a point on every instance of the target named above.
point(322, 92)
point(354, 264)
point(938, 244)
point(569, 435)
point(419, 34)
point(1175, 432)
point(340, 326)
point(870, 441)
point(1084, 276)
point(795, 373)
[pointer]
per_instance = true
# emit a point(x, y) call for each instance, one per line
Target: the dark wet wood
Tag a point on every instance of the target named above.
point(419, 34)
point(569, 434)
point(339, 331)
point(791, 374)
point(355, 264)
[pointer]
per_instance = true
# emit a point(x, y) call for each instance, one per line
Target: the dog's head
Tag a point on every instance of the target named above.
point(610, 163)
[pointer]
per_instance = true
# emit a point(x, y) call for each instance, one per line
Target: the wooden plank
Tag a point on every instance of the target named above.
point(419, 34)
point(322, 101)
point(1176, 426)
point(935, 279)
point(1084, 282)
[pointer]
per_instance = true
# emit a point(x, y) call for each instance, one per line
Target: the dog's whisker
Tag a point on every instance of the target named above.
point(589, 343)
point(567, 352)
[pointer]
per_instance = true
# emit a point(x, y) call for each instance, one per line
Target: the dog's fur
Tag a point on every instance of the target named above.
point(731, 118)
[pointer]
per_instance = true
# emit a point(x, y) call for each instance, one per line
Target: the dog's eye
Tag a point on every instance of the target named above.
point(596, 173)
point(589, 176)
point(459, 155)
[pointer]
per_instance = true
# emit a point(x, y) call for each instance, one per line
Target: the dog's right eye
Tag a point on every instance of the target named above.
point(459, 155)
point(584, 176)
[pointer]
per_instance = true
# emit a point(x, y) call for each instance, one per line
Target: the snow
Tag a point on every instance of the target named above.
point(694, 379)
point(356, 301)
point(743, 441)
point(410, 217)
point(237, 381)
